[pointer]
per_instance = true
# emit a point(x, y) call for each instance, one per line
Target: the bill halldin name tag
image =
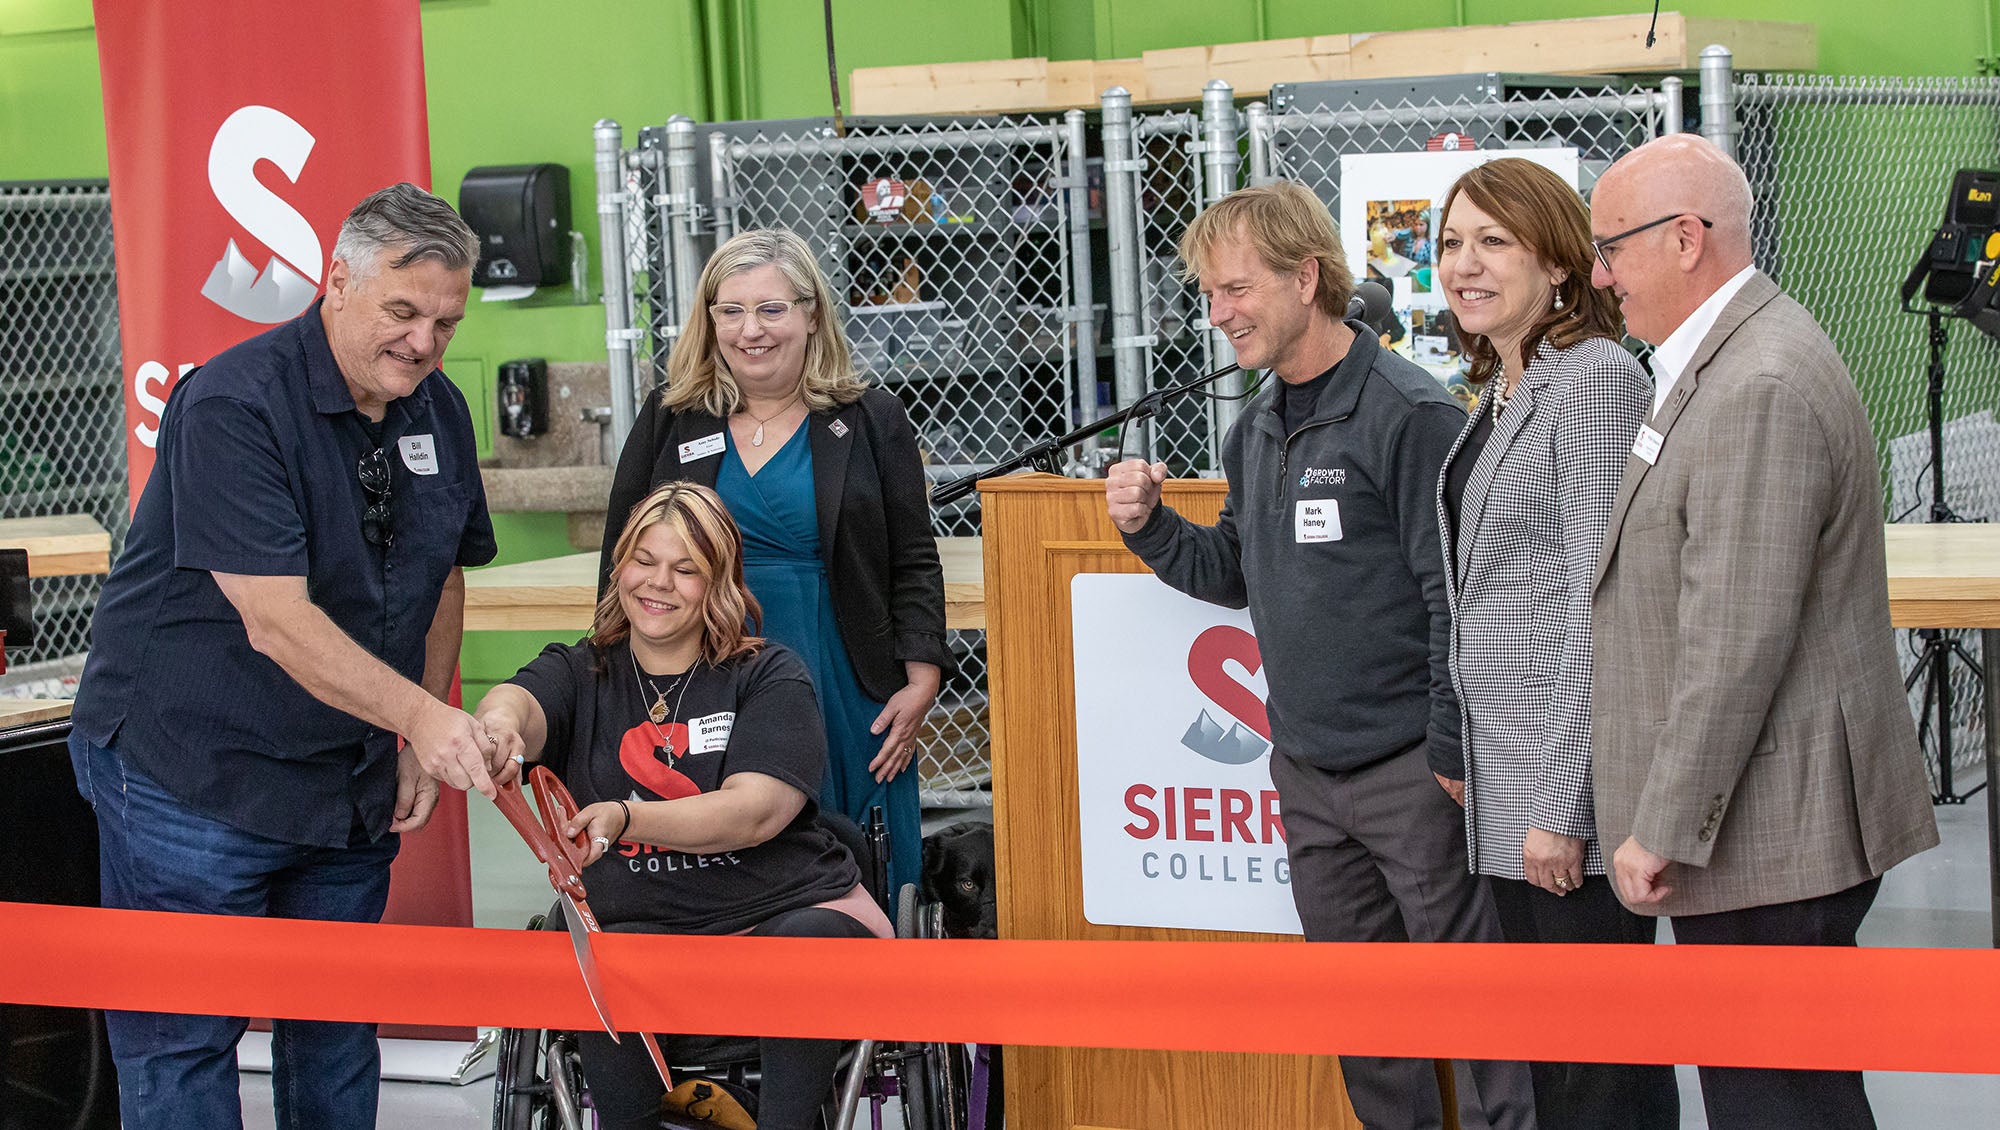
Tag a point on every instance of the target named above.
point(701, 448)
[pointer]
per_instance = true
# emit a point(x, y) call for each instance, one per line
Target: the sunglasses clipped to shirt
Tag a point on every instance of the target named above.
point(373, 471)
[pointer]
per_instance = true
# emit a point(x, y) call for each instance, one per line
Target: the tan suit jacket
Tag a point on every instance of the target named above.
point(1748, 716)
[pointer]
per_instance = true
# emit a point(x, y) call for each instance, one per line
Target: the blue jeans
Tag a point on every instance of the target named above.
point(178, 1072)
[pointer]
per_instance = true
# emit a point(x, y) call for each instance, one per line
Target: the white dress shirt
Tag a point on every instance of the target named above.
point(1671, 356)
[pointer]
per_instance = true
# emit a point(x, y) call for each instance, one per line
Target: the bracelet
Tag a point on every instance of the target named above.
point(627, 809)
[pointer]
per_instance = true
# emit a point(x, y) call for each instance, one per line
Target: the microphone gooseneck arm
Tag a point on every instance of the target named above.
point(1041, 456)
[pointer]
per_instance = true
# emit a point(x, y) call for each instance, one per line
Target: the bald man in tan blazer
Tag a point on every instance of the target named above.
point(1754, 753)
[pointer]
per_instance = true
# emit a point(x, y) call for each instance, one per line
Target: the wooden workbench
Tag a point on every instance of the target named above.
point(18, 712)
point(62, 545)
point(1939, 577)
point(559, 594)
point(1944, 576)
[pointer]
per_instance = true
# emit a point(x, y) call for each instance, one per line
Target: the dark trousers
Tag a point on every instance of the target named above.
point(1588, 1096)
point(1378, 855)
point(1764, 1098)
point(797, 1074)
point(178, 1072)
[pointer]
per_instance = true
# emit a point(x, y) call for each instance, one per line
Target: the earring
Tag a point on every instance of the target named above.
point(1559, 300)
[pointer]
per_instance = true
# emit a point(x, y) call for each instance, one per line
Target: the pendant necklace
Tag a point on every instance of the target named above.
point(757, 437)
point(658, 714)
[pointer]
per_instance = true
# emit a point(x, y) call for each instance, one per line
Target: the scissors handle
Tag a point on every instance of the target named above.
point(559, 855)
point(558, 807)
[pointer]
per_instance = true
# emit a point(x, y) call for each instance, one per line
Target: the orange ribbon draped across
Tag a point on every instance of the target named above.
point(1884, 1009)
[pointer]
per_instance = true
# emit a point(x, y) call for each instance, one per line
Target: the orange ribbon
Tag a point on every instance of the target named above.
point(1881, 1009)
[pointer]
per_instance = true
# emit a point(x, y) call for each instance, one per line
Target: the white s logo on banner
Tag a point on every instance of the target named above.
point(288, 282)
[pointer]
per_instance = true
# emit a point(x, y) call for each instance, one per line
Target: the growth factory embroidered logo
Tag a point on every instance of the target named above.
point(1249, 733)
point(1323, 477)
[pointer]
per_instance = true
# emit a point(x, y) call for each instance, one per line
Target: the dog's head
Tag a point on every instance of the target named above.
point(958, 874)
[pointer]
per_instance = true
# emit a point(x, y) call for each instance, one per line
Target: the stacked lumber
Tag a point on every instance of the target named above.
point(1589, 45)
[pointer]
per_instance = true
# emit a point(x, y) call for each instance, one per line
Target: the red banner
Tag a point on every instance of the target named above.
point(241, 132)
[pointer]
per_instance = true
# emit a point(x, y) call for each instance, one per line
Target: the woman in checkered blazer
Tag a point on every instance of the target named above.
point(1522, 502)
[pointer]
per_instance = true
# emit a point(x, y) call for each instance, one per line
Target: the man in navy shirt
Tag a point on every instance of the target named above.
point(290, 600)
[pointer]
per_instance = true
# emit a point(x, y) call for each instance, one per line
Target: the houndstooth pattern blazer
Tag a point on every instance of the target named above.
point(1521, 565)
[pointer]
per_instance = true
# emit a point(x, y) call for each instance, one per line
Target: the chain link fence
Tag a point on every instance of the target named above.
point(1850, 178)
point(973, 304)
point(961, 250)
point(62, 445)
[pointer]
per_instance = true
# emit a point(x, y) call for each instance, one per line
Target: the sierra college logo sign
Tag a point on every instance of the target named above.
point(1180, 825)
point(290, 278)
point(1212, 649)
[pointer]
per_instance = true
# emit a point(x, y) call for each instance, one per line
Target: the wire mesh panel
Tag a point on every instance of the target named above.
point(62, 445)
point(949, 243)
point(1305, 143)
point(1172, 323)
point(1850, 179)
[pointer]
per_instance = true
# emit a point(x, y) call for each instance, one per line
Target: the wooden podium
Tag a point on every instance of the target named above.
point(1041, 530)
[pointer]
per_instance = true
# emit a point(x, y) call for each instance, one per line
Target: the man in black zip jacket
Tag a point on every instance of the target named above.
point(1329, 537)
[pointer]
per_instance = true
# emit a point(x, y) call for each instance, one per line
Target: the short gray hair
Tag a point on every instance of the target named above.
point(404, 218)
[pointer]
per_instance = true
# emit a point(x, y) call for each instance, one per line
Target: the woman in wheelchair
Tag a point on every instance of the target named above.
point(695, 751)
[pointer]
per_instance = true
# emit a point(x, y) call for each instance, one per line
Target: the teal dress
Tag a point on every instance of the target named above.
point(778, 514)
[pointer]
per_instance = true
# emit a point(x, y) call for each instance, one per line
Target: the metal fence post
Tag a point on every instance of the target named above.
point(1121, 223)
point(1220, 166)
point(616, 268)
point(1083, 341)
point(721, 194)
point(1670, 106)
point(1718, 97)
point(682, 210)
point(1258, 119)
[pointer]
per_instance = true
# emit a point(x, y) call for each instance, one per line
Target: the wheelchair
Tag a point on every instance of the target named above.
point(538, 1081)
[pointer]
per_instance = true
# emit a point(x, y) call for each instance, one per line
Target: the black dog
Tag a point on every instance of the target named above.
point(958, 875)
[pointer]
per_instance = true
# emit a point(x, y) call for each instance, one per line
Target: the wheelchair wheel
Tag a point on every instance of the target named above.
point(537, 1081)
point(933, 1077)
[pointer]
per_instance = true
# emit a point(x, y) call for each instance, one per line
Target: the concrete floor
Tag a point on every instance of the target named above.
point(1939, 899)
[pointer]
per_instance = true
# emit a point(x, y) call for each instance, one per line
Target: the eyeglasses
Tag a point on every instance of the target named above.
point(373, 471)
point(729, 315)
point(1607, 241)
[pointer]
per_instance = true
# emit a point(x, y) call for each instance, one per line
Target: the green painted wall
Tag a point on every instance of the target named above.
point(1930, 37)
point(638, 61)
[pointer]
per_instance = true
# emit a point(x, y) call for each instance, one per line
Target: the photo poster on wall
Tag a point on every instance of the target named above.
point(1390, 208)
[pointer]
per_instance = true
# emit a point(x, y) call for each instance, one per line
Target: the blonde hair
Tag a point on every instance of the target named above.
point(696, 376)
point(729, 613)
point(1548, 217)
point(1286, 225)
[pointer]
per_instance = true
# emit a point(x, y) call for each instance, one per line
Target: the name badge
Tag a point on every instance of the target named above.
point(1646, 445)
point(710, 733)
point(702, 448)
point(1318, 520)
point(419, 454)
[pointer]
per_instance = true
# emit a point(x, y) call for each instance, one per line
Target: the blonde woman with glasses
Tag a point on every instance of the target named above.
point(821, 472)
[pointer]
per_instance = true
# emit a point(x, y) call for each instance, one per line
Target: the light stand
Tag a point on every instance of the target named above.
point(1940, 645)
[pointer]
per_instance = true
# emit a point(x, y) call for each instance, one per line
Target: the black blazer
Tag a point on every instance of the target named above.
point(874, 523)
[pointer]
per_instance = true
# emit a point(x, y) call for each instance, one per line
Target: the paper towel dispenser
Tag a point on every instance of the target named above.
point(521, 214)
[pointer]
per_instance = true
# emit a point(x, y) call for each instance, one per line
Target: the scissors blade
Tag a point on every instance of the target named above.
point(659, 1061)
point(580, 923)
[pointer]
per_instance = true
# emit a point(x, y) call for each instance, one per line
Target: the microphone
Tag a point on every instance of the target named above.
point(1370, 305)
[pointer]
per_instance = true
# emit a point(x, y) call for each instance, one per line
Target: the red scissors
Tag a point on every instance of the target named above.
point(564, 856)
